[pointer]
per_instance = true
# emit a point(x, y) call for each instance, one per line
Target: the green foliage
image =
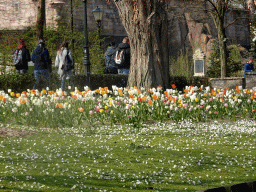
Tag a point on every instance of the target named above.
point(233, 62)
point(182, 65)
point(19, 83)
point(53, 38)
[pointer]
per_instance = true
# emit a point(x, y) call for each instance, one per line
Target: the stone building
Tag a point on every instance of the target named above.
point(186, 29)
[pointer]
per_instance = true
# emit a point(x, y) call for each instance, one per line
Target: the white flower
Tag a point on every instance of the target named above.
point(14, 109)
point(114, 87)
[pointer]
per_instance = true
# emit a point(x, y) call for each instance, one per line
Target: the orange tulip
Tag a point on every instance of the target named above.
point(150, 102)
point(154, 97)
point(74, 97)
point(97, 91)
point(81, 109)
point(173, 86)
point(22, 101)
point(60, 105)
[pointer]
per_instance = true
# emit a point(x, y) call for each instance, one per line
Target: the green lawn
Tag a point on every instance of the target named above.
point(158, 157)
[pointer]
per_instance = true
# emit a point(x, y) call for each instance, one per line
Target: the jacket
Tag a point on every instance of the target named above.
point(60, 60)
point(41, 58)
point(125, 46)
point(248, 68)
point(109, 57)
point(25, 59)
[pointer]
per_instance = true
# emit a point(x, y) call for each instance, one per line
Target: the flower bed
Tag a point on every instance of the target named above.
point(125, 106)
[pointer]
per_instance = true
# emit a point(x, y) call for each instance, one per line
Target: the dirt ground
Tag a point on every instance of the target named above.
point(7, 132)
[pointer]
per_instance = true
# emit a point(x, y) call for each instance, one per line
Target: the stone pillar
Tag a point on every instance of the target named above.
point(250, 80)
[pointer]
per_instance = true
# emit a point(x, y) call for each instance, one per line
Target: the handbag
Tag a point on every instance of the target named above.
point(68, 63)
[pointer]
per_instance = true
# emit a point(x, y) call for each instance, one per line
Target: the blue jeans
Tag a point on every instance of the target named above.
point(67, 75)
point(123, 71)
point(63, 84)
point(45, 74)
point(21, 71)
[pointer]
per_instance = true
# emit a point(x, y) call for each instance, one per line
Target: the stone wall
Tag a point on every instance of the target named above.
point(183, 32)
point(230, 82)
point(250, 80)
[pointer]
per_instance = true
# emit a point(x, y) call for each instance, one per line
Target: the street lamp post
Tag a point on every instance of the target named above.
point(97, 13)
point(86, 47)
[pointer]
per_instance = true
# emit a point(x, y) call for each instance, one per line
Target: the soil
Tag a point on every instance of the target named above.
point(7, 132)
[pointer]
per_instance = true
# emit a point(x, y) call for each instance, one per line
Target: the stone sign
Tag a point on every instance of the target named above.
point(199, 63)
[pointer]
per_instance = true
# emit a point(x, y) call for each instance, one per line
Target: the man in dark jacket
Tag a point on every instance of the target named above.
point(109, 59)
point(125, 46)
point(23, 67)
point(248, 67)
point(41, 60)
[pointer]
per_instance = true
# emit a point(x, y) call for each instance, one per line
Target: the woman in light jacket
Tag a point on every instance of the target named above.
point(60, 62)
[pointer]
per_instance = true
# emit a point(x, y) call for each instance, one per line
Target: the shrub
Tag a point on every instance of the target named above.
point(182, 65)
point(233, 62)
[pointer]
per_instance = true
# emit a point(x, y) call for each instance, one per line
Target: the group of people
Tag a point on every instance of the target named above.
point(111, 54)
point(42, 61)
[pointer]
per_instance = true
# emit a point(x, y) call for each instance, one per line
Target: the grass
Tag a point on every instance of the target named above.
point(158, 157)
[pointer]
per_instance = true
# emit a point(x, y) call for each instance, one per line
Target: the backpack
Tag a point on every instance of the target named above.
point(120, 58)
point(17, 57)
point(68, 63)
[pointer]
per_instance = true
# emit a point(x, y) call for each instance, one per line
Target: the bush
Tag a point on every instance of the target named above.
point(233, 62)
point(19, 83)
point(181, 81)
point(182, 65)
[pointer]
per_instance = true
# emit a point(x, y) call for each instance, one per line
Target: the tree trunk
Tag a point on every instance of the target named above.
point(146, 24)
point(223, 50)
point(41, 19)
point(218, 13)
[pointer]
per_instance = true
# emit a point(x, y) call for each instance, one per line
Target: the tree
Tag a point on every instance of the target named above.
point(218, 8)
point(41, 19)
point(146, 24)
point(217, 11)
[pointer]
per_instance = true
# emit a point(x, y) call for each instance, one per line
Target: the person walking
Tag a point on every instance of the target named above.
point(21, 57)
point(41, 60)
point(62, 61)
point(109, 59)
point(124, 69)
point(248, 67)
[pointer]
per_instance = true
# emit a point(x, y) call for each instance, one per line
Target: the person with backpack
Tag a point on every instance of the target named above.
point(109, 59)
point(64, 62)
point(41, 60)
point(122, 58)
point(21, 57)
